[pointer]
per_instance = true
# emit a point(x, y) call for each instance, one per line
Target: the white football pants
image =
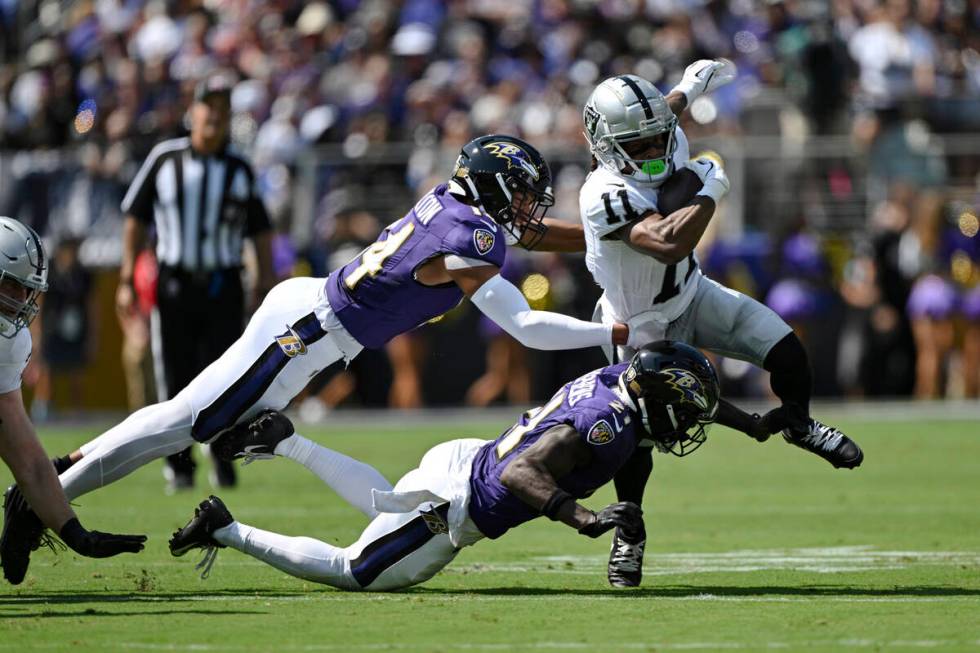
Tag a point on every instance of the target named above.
point(396, 550)
point(718, 319)
point(293, 336)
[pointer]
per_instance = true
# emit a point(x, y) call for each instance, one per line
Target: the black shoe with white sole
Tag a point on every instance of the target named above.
point(626, 560)
point(827, 442)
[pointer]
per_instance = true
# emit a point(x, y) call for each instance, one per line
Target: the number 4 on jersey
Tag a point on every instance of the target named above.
point(374, 257)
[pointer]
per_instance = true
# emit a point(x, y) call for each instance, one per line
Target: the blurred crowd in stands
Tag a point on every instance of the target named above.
point(853, 132)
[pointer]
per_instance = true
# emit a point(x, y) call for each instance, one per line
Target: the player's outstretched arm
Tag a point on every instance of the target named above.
point(561, 236)
point(28, 462)
point(702, 76)
point(35, 475)
point(531, 475)
point(503, 303)
point(734, 417)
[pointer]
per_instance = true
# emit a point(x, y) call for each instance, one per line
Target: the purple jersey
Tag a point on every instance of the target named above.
point(605, 423)
point(376, 296)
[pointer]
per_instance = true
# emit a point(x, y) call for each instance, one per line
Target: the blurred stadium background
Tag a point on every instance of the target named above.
point(852, 138)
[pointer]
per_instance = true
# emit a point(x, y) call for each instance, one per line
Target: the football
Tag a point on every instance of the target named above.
point(678, 190)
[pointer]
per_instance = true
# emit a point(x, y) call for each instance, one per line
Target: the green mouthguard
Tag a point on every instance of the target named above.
point(657, 167)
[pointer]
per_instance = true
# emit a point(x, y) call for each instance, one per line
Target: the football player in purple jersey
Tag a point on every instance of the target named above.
point(450, 245)
point(466, 490)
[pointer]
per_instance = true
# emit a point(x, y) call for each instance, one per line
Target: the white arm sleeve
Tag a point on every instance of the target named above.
point(503, 303)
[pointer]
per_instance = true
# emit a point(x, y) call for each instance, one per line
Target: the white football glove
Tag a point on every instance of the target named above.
point(712, 175)
point(704, 76)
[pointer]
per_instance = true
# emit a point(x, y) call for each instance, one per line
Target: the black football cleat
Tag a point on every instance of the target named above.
point(208, 517)
point(22, 533)
point(626, 561)
point(255, 440)
point(828, 443)
point(196, 534)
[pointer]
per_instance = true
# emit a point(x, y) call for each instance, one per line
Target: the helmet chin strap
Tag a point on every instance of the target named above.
point(643, 411)
point(624, 394)
point(503, 187)
point(469, 192)
point(456, 189)
point(646, 416)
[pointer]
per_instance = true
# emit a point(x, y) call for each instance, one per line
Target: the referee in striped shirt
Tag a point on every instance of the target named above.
point(199, 196)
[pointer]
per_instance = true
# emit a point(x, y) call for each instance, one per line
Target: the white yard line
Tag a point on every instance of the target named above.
point(443, 645)
point(477, 597)
point(823, 560)
point(842, 559)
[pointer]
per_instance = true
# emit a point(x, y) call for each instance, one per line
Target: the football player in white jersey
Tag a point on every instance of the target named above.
point(646, 265)
point(23, 277)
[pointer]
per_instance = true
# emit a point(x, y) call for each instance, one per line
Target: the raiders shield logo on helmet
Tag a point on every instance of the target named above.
point(291, 344)
point(600, 433)
point(483, 240)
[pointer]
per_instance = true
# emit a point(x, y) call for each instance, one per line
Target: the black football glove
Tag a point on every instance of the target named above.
point(95, 544)
point(625, 514)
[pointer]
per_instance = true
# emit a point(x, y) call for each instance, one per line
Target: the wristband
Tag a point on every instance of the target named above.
point(72, 533)
point(687, 88)
point(555, 502)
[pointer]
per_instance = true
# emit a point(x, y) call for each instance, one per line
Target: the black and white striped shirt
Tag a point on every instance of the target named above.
point(202, 207)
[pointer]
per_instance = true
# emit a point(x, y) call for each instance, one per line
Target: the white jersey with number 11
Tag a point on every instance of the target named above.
point(633, 282)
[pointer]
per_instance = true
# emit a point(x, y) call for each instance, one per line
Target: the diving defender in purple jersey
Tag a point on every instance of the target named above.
point(451, 245)
point(465, 490)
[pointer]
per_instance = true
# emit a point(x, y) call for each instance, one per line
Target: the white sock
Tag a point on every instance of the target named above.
point(303, 557)
point(351, 479)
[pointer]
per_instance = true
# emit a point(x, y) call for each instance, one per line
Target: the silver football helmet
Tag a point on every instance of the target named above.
point(628, 114)
point(23, 275)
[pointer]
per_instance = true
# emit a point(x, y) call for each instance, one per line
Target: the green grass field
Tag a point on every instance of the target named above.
point(751, 547)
